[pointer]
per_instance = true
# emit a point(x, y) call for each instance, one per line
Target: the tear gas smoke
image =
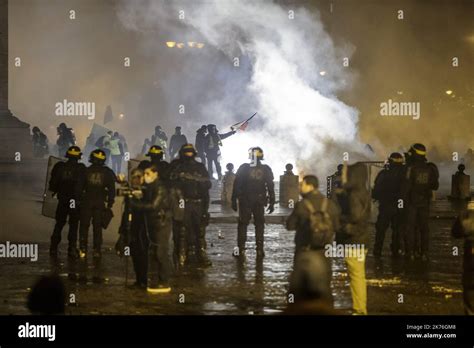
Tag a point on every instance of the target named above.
point(300, 119)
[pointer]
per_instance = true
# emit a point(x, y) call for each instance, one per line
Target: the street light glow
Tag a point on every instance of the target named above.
point(170, 44)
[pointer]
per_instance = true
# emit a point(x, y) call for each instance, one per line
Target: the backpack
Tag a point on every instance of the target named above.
point(322, 231)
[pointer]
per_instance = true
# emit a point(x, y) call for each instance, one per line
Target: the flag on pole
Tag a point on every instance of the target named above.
point(242, 125)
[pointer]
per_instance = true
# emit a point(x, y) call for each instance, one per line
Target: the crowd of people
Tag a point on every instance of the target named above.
point(167, 207)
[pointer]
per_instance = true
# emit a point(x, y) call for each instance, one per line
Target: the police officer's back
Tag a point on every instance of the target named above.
point(95, 188)
point(64, 178)
point(387, 191)
point(417, 189)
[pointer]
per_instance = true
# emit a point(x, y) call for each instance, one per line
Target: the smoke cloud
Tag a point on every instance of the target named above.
point(280, 60)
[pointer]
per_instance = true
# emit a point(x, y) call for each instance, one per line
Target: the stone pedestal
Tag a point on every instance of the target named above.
point(15, 138)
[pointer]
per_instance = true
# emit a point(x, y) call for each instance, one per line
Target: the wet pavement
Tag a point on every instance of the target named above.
point(230, 286)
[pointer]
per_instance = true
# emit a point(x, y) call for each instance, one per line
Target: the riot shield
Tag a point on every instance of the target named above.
point(97, 131)
point(49, 202)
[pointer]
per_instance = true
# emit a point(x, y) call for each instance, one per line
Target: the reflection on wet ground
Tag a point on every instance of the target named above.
point(250, 287)
point(233, 287)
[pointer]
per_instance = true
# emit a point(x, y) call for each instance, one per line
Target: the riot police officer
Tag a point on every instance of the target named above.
point(156, 154)
point(95, 189)
point(64, 178)
point(387, 191)
point(417, 188)
point(253, 190)
point(191, 179)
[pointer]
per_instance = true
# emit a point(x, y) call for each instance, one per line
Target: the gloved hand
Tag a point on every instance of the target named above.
point(271, 208)
point(234, 205)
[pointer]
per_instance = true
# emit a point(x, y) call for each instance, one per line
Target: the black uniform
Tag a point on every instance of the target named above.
point(254, 189)
point(213, 151)
point(156, 207)
point(191, 180)
point(387, 191)
point(64, 178)
point(421, 179)
point(96, 187)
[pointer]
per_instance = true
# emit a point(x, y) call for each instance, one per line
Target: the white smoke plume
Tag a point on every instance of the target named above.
point(300, 120)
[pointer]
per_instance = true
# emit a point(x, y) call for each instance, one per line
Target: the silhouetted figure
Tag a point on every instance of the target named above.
point(65, 139)
point(176, 142)
point(213, 150)
point(228, 185)
point(200, 143)
point(40, 143)
point(48, 296)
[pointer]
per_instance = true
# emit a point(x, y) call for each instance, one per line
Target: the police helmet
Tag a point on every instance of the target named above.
point(97, 156)
point(155, 150)
point(256, 152)
point(395, 158)
point(417, 150)
point(73, 152)
point(187, 150)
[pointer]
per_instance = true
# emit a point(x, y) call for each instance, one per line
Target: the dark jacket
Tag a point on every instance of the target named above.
point(421, 179)
point(388, 185)
point(200, 142)
point(354, 201)
point(64, 178)
point(254, 183)
point(97, 184)
point(299, 219)
point(155, 205)
point(213, 142)
point(191, 179)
